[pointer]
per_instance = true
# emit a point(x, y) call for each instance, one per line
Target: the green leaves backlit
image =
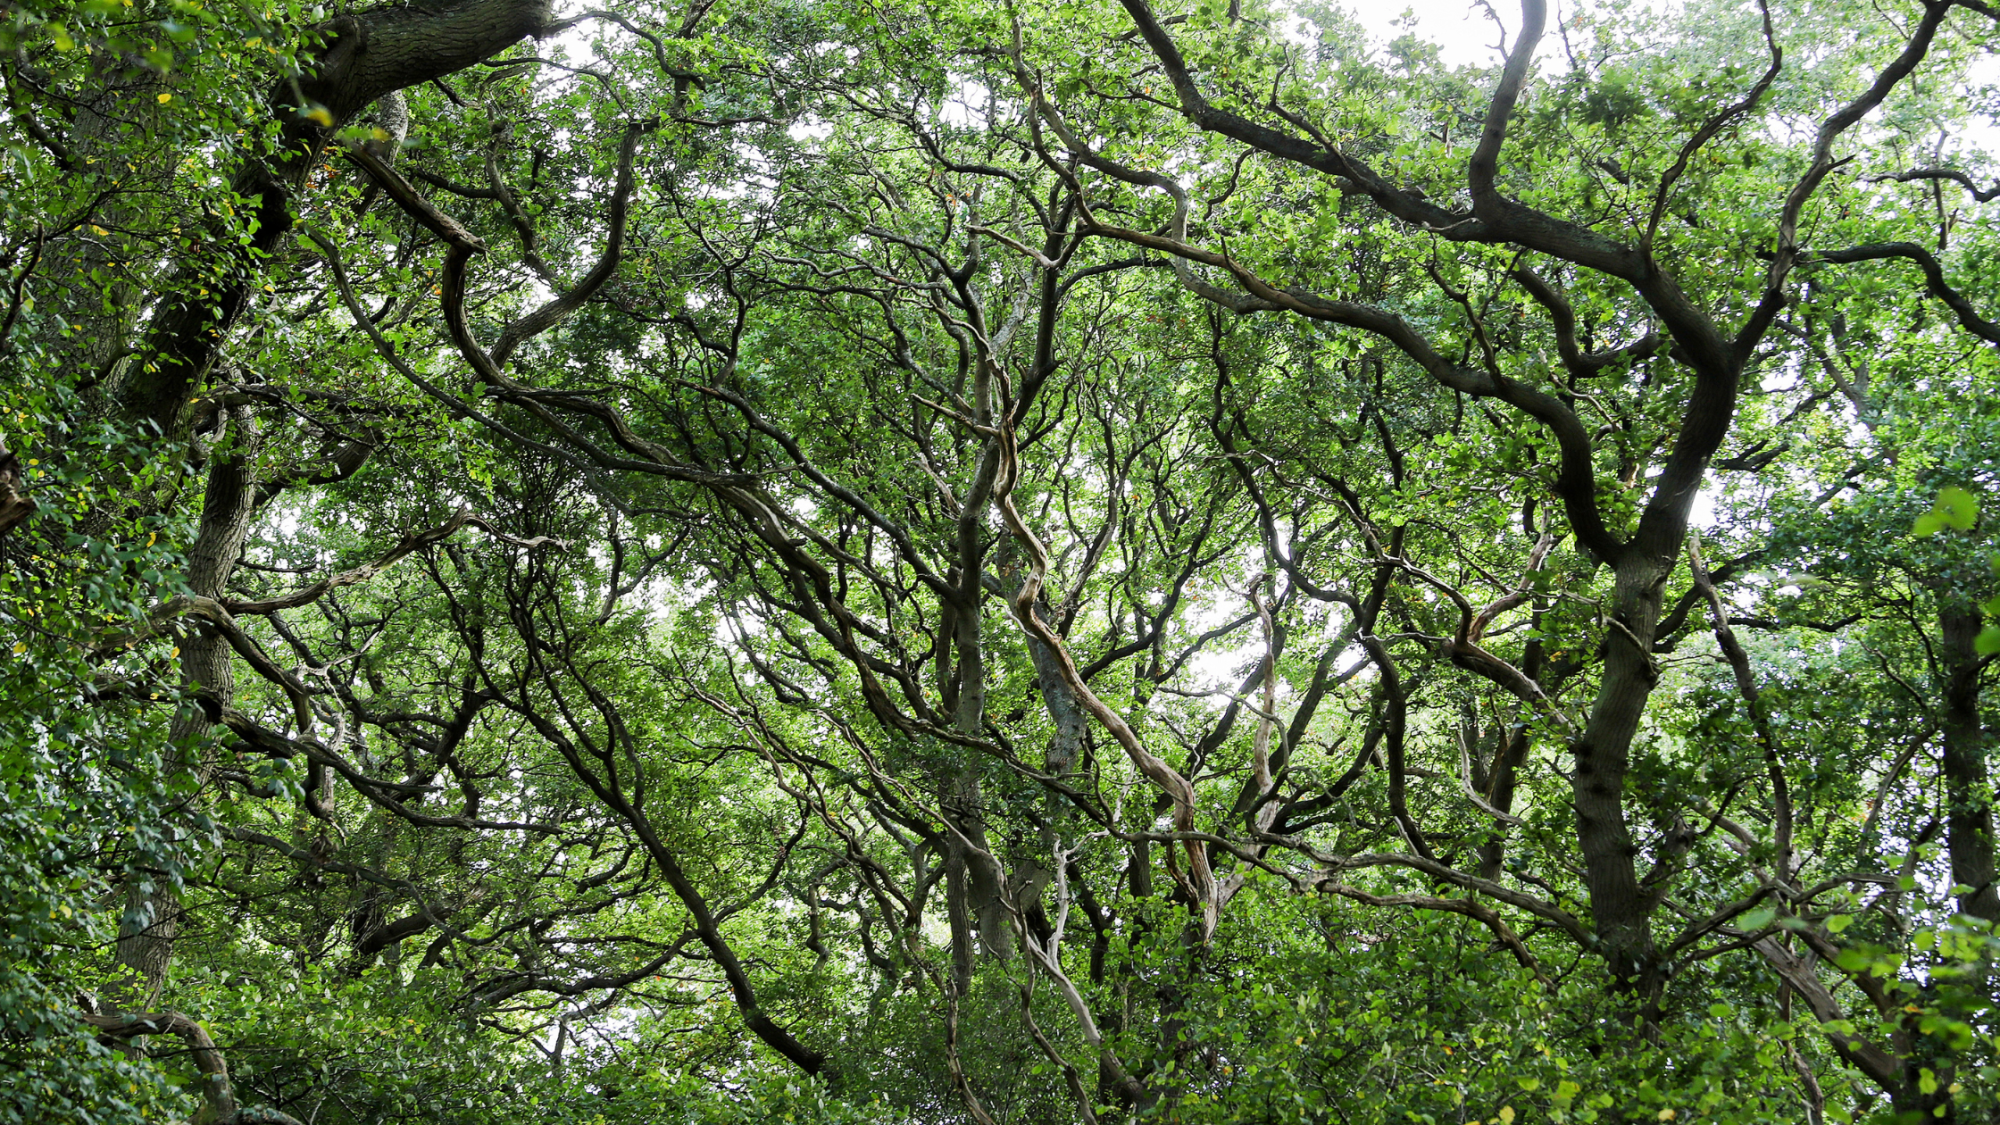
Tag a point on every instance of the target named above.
point(1955, 508)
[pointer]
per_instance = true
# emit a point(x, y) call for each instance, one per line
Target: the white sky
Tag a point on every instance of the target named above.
point(1464, 30)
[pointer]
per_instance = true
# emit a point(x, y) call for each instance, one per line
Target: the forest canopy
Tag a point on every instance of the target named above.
point(1058, 561)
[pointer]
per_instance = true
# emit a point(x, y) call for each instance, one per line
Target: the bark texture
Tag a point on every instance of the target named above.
point(152, 908)
point(1968, 821)
point(15, 506)
point(218, 1092)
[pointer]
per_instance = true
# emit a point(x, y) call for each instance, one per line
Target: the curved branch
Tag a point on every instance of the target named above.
point(1934, 282)
point(1948, 174)
point(1470, 907)
point(216, 1089)
point(1823, 163)
point(555, 311)
point(1709, 129)
point(306, 595)
point(1576, 480)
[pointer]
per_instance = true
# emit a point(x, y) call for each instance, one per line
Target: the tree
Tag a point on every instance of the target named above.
point(1040, 563)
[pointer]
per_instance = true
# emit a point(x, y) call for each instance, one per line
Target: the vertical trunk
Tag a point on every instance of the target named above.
point(152, 907)
point(1031, 875)
point(366, 58)
point(15, 505)
point(1621, 910)
point(1967, 790)
point(958, 913)
point(984, 883)
point(1510, 754)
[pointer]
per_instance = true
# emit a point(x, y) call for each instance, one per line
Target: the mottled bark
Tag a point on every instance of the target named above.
point(983, 884)
point(1968, 789)
point(15, 506)
point(1621, 910)
point(152, 907)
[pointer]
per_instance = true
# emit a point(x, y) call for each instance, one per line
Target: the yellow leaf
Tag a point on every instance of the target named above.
point(20, 647)
point(165, 98)
point(1506, 1115)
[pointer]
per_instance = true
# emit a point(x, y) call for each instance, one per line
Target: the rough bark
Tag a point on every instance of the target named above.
point(1968, 791)
point(152, 908)
point(15, 506)
point(983, 884)
point(1621, 910)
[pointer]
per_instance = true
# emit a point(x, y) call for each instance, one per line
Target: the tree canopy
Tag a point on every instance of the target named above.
point(1067, 561)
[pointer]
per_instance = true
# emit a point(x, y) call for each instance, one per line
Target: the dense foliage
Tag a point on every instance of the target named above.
point(933, 561)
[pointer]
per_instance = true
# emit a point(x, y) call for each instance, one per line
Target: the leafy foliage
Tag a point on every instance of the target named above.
point(1056, 562)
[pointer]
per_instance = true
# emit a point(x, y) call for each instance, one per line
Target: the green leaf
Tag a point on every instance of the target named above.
point(1955, 508)
point(1987, 643)
point(1959, 507)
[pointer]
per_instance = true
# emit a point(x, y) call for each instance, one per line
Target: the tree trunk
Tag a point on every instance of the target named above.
point(1968, 794)
point(152, 907)
point(217, 1090)
point(1621, 909)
